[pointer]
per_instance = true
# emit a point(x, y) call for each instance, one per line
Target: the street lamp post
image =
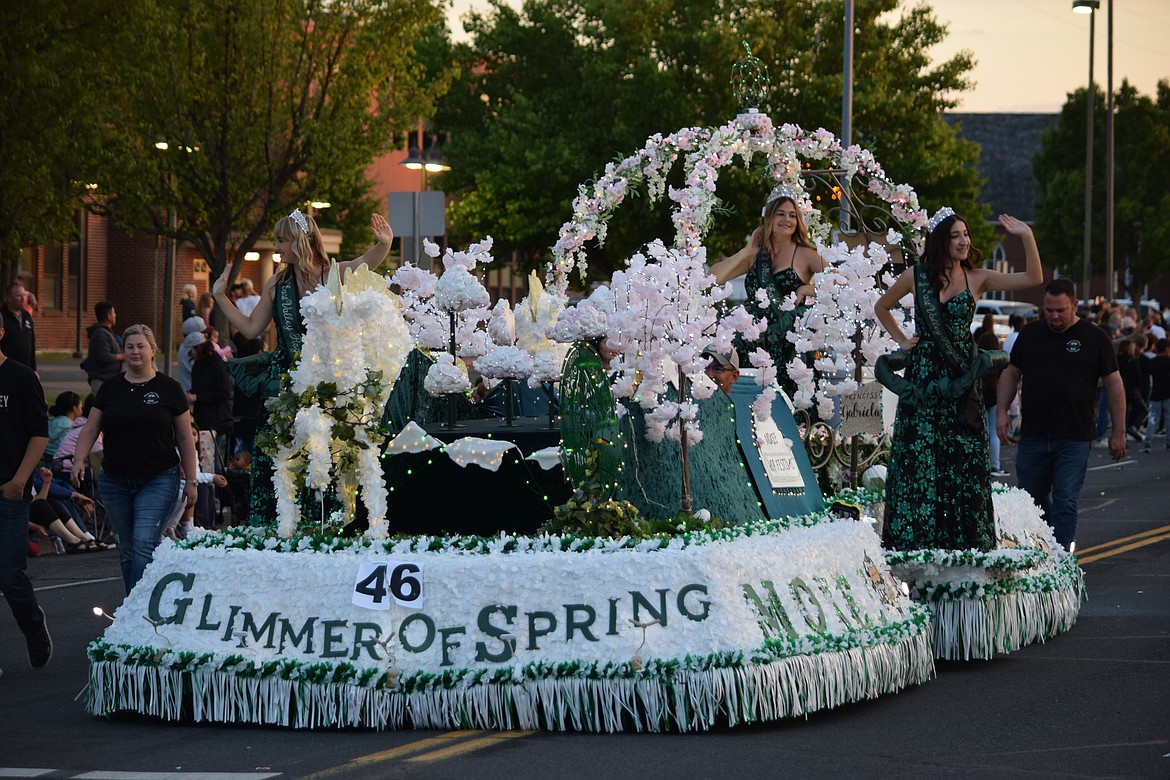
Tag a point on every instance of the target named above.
point(1088, 7)
point(1109, 292)
point(414, 161)
point(425, 163)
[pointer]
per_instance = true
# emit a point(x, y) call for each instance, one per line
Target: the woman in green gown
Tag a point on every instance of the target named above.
point(304, 267)
point(938, 492)
point(779, 259)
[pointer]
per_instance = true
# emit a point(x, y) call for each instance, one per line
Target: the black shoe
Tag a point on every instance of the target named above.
point(40, 645)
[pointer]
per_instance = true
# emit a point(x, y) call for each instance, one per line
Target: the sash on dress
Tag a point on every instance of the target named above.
point(968, 366)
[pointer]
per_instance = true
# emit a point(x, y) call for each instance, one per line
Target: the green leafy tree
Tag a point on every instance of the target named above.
point(1141, 242)
point(552, 92)
point(264, 106)
point(47, 115)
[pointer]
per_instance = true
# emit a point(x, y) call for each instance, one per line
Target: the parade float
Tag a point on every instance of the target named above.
point(729, 605)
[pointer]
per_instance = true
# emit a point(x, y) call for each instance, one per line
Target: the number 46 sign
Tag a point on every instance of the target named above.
point(380, 582)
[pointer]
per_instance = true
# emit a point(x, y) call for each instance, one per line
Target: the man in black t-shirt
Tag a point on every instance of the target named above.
point(1060, 361)
point(24, 432)
point(19, 341)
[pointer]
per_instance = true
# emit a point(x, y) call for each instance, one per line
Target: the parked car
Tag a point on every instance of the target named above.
point(1002, 312)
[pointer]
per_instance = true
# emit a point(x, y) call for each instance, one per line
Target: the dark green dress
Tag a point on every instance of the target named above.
point(774, 340)
point(290, 333)
point(938, 489)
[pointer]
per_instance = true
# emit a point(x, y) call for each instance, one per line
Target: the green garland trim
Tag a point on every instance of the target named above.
point(259, 538)
point(1067, 575)
point(694, 693)
point(1015, 559)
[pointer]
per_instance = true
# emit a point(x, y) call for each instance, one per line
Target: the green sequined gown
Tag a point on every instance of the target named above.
point(290, 332)
point(774, 340)
point(938, 492)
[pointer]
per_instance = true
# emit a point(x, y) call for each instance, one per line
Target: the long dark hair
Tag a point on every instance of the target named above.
point(64, 402)
point(936, 257)
point(202, 351)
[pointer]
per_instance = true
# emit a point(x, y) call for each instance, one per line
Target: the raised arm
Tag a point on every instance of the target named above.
point(1033, 273)
point(737, 265)
point(373, 256)
point(883, 308)
point(252, 326)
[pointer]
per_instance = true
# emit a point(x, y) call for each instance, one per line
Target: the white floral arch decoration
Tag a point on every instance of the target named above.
point(845, 293)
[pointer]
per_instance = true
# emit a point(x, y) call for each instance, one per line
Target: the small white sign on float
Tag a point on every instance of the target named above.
point(861, 411)
point(776, 455)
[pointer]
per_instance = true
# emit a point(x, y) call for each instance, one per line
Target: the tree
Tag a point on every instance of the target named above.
point(264, 105)
point(1141, 243)
point(47, 115)
point(551, 93)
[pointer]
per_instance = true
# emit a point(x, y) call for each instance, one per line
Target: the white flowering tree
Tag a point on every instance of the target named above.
point(666, 312)
point(839, 324)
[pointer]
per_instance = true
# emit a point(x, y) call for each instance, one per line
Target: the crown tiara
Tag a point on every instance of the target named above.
point(299, 218)
point(784, 190)
point(939, 216)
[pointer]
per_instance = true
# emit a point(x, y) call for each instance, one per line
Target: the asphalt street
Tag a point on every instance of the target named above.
point(1092, 703)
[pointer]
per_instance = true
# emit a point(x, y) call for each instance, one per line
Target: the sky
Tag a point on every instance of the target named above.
point(1031, 53)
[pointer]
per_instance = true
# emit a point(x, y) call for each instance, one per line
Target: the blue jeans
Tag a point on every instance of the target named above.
point(992, 439)
point(1103, 418)
point(138, 508)
point(14, 582)
point(1052, 470)
point(1159, 414)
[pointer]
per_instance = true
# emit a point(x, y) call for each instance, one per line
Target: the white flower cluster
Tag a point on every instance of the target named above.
point(843, 307)
point(458, 290)
point(350, 330)
point(505, 363)
point(502, 324)
point(582, 322)
point(666, 312)
point(535, 315)
point(369, 332)
point(446, 376)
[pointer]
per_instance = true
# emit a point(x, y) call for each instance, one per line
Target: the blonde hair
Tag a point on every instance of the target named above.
point(306, 248)
point(141, 330)
point(800, 237)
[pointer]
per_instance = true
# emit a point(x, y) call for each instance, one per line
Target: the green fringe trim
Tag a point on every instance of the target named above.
point(689, 700)
point(977, 621)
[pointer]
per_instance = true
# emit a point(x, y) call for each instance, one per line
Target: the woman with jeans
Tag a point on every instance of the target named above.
point(146, 426)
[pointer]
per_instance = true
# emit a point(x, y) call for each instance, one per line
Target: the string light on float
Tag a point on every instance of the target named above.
point(99, 612)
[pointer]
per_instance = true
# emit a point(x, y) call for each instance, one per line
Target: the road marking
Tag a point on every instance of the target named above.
point(1126, 548)
point(468, 747)
point(8, 771)
point(392, 753)
point(1074, 748)
point(103, 775)
point(1116, 465)
point(75, 584)
point(1124, 539)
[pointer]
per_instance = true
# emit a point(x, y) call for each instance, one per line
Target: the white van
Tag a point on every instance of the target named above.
point(1001, 311)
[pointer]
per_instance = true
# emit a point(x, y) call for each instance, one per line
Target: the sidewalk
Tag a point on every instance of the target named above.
point(60, 372)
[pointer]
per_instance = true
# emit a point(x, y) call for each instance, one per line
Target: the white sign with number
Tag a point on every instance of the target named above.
point(380, 583)
point(776, 455)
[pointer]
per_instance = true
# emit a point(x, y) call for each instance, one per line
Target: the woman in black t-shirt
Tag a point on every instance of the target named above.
point(146, 427)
